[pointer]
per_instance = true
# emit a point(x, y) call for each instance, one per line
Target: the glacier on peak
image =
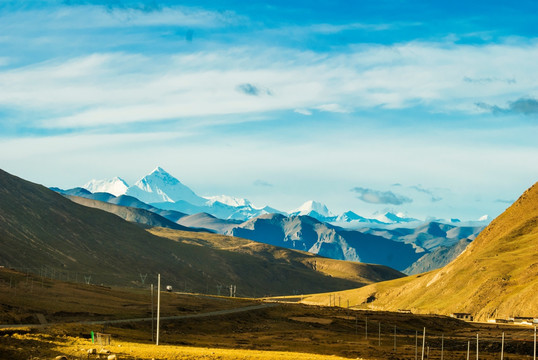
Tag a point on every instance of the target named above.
point(115, 186)
point(392, 218)
point(228, 200)
point(162, 190)
point(312, 206)
point(159, 186)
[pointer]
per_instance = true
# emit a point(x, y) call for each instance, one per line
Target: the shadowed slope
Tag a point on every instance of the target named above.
point(134, 215)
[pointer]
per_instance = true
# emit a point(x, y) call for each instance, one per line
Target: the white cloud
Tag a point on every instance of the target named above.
point(305, 112)
point(94, 16)
point(337, 108)
point(117, 88)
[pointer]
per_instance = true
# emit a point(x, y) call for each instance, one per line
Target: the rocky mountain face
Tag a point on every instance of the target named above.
point(308, 234)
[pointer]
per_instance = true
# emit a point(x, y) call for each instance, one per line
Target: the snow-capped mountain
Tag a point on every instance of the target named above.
point(159, 186)
point(391, 218)
point(115, 186)
point(162, 190)
point(228, 200)
point(314, 209)
point(310, 206)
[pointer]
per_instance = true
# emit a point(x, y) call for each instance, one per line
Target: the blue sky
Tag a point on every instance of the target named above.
point(425, 107)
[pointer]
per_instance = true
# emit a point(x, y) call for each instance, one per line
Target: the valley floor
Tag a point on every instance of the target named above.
point(281, 331)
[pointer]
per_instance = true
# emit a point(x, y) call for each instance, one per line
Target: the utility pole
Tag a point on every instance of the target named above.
point(379, 335)
point(394, 338)
point(502, 347)
point(416, 344)
point(442, 345)
point(423, 342)
point(468, 348)
point(143, 277)
point(476, 346)
point(152, 316)
point(158, 306)
point(534, 357)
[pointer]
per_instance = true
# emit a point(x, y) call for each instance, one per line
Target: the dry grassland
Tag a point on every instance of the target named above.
point(47, 346)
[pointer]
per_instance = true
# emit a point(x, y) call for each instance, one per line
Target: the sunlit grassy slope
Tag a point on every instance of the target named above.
point(496, 276)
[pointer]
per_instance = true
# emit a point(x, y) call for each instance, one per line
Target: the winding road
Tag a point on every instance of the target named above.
point(175, 317)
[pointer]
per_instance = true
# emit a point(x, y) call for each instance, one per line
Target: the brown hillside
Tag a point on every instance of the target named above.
point(496, 276)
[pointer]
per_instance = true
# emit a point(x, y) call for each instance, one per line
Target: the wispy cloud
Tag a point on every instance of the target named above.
point(380, 197)
point(430, 193)
point(253, 90)
point(262, 183)
point(336, 108)
point(104, 16)
point(121, 87)
point(488, 80)
point(522, 106)
point(503, 201)
point(305, 112)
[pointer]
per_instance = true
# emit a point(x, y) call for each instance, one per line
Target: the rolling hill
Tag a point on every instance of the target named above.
point(43, 232)
point(496, 276)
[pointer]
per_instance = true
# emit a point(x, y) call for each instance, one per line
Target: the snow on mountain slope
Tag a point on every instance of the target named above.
point(228, 200)
point(391, 218)
point(159, 186)
point(115, 186)
point(311, 206)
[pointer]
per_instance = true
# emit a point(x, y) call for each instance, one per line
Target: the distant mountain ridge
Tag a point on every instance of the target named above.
point(308, 234)
point(428, 236)
point(236, 216)
point(162, 190)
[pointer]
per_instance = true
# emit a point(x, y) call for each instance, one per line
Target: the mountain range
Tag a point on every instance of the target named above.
point(311, 227)
point(162, 190)
point(496, 276)
point(401, 248)
point(309, 234)
point(46, 233)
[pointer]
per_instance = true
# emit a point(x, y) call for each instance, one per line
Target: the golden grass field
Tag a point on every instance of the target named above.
point(283, 331)
point(32, 346)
